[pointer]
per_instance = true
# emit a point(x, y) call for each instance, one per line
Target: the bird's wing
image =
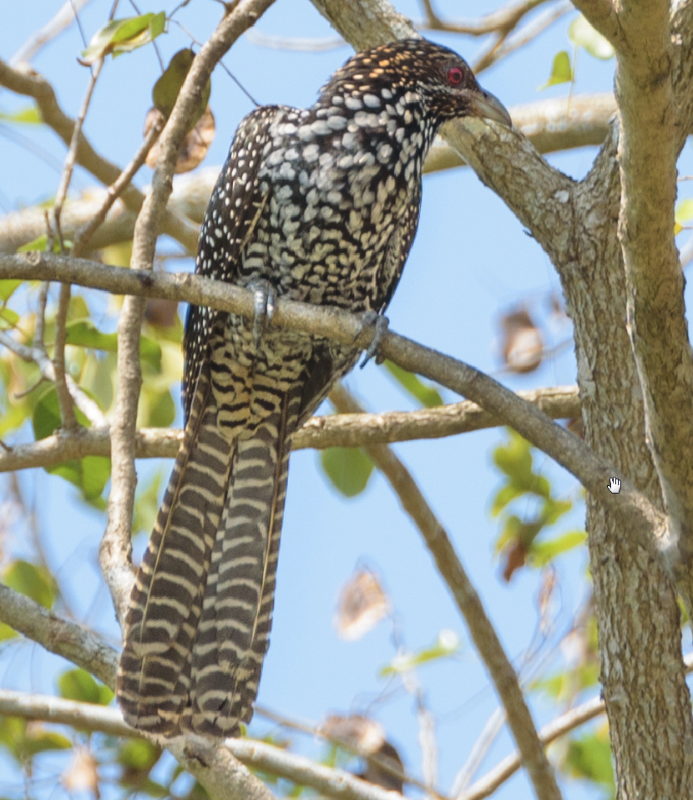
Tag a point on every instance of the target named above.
point(231, 217)
point(330, 362)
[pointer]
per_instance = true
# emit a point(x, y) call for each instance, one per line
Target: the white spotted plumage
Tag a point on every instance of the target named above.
point(318, 205)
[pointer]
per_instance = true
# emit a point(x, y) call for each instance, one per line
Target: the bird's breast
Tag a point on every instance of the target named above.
point(336, 194)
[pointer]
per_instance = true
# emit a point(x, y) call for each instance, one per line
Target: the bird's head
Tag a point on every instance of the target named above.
point(417, 69)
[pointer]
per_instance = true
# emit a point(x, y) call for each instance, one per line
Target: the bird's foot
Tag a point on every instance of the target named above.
point(265, 301)
point(382, 324)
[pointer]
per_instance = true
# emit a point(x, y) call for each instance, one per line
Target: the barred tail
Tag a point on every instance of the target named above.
point(201, 609)
point(153, 680)
point(233, 633)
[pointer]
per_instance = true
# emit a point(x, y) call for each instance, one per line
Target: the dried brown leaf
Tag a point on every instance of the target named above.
point(195, 146)
point(81, 774)
point(523, 346)
point(362, 604)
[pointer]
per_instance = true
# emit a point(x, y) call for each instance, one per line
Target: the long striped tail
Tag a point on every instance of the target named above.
point(201, 610)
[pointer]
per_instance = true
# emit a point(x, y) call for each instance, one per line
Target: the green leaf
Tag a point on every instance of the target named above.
point(589, 757)
point(561, 71)
point(161, 409)
point(424, 393)
point(138, 755)
point(89, 474)
point(83, 333)
point(554, 509)
point(447, 644)
point(542, 553)
point(95, 474)
point(122, 35)
point(46, 417)
point(39, 740)
point(514, 459)
point(78, 684)
point(348, 468)
point(9, 317)
point(147, 505)
point(7, 633)
point(505, 495)
point(24, 741)
point(684, 211)
point(584, 35)
point(12, 731)
point(31, 580)
point(41, 243)
point(29, 115)
point(166, 89)
point(7, 288)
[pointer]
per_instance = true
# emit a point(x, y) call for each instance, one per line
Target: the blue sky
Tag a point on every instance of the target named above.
point(471, 261)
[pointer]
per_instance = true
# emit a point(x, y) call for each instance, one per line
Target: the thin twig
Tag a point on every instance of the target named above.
point(315, 731)
point(47, 369)
point(40, 327)
point(334, 430)
point(116, 189)
point(506, 44)
point(502, 21)
point(555, 729)
point(469, 604)
point(300, 44)
point(67, 409)
point(31, 84)
point(60, 22)
point(493, 726)
point(71, 157)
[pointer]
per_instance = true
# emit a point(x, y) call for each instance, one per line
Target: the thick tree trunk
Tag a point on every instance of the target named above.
point(638, 620)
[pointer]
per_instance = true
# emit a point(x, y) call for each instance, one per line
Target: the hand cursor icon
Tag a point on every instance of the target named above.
point(614, 486)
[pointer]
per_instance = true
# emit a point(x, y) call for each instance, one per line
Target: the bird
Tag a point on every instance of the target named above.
point(318, 205)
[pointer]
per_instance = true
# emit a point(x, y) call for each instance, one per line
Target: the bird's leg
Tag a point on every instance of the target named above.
point(265, 302)
point(382, 324)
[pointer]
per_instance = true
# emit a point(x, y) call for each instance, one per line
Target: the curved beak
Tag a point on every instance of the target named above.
point(487, 106)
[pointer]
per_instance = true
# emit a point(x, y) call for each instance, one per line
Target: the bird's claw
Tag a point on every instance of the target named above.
point(265, 304)
point(381, 324)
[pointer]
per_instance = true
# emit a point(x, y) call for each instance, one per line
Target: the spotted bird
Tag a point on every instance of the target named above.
point(319, 205)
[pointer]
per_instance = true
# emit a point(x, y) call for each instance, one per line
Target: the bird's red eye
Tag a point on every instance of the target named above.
point(455, 76)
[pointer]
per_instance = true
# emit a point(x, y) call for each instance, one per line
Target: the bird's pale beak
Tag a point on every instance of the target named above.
point(487, 106)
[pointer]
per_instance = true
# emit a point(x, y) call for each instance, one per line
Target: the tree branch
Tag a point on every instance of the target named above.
point(572, 719)
point(54, 27)
point(22, 80)
point(58, 635)
point(342, 430)
point(216, 767)
point(602, 15)
point(38, 355)
point(481, 629)
point(646, 524)
point(87, 650)
point(502, 20)
point(550, 125)
point(649, 146)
